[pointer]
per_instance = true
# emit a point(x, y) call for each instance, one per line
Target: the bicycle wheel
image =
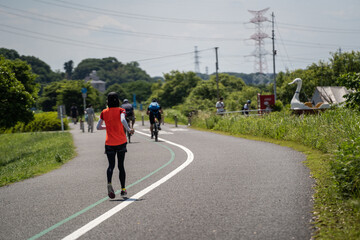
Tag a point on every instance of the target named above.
point(155, 129)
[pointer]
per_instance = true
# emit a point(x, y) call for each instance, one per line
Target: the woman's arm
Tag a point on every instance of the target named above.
point(99, 125)
point(124, 123)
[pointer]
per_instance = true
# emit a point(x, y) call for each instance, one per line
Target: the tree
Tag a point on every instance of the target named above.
point(111, 71)
point(66, 93)
point(15, 100)
point(119, 90)
point(10, 54)
point(176, 88)
point(48, 100)
point(68, 67)
point(346, 62)
point(141, 88)
point(42, 70)
point(24, 74)
point(38, 67)
point(352, 81)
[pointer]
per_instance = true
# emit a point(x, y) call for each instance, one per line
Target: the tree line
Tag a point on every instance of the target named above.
point(27, 82)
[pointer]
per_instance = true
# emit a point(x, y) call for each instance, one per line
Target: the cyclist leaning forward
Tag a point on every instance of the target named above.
point(154, 111)
point(130, 116)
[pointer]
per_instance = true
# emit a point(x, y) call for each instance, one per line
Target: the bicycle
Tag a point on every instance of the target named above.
point(155, 132)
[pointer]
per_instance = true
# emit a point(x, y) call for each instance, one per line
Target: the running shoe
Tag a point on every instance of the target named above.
point(123, 192)
point(111, 192)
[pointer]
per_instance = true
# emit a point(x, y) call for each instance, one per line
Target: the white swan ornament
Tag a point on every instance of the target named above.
point(295, 101)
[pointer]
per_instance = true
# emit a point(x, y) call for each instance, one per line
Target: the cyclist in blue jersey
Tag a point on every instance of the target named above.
point(154, 111)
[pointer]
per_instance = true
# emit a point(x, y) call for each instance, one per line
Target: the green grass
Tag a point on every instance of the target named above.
point(331, 143)
point(25, 155)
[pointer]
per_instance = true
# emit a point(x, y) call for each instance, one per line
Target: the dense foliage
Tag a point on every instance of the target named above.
point(351, 80)
point(111, 71)
point(39, 67)
point(66, 93)
point(18, 92)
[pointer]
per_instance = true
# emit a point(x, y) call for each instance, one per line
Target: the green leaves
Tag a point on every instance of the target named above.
point(346, 167)
point(16, 93)
point(352, 81)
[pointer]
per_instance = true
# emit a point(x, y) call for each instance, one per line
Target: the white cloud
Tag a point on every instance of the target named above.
point(103, 21)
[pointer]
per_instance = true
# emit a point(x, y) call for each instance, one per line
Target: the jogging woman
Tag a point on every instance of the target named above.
point(115, 142)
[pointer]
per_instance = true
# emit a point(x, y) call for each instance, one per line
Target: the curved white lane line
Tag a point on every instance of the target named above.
point(87, 227)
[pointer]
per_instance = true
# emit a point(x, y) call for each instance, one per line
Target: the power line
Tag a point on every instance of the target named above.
point(74, 24)
point(76, 6)
point(318, 29)
point(55, 38)
point(173, 55)
point(282, 41)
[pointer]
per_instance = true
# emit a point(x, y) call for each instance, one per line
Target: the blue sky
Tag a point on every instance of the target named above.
point(162, 34)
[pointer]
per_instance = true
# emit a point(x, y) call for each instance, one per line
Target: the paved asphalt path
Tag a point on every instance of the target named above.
point(233, 189)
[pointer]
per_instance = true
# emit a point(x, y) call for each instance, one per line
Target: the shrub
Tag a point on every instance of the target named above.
point(46, 121)
point(169, 115)
point(346, 167)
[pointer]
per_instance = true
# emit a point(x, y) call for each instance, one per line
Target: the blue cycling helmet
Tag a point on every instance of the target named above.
point(248, 101)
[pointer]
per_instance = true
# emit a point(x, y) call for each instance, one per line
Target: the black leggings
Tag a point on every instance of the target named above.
point(111, 152)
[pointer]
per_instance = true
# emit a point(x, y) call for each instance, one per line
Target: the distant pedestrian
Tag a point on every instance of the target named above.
point(115, 142)
point(246, 107)
point(90, 118)
point(220, 106)
point(74, 113)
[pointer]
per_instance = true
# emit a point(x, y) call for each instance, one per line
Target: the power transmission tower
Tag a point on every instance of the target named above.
point(259, 52)
point(197, 63)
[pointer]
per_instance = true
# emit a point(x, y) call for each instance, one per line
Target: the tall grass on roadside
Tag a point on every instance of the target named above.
point(170, 114)
point(24, 155)
point(325, 131)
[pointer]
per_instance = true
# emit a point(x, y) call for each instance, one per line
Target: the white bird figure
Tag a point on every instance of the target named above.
point(295, 101)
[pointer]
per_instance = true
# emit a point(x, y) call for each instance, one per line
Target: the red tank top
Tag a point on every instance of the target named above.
point(115, 134)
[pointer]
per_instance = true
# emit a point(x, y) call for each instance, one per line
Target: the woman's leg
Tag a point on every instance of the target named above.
point(110, 169)
point(122, 173)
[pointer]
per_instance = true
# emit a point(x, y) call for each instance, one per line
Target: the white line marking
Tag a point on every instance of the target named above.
point(87, 227)
point(162, 132)
point(179, 130)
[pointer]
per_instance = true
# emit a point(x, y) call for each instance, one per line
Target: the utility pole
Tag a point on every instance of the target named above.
point(217, 75)
point(274, 53)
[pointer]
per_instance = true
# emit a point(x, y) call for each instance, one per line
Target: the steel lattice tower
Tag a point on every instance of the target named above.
point(259, 52)
point(197, 63)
